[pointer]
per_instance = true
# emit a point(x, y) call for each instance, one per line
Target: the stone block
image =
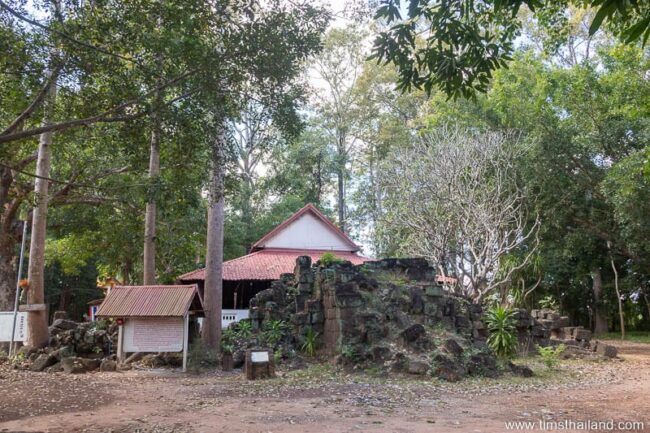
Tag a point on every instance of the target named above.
point(463, 322)
point(430, 309)
point(300, 319)
point(435, 291)
point(520, 370)
point(317, 317)
point(416, 300)
point(606, 350)
point(452, 347)
point(582, 334)
point(42, 362)
point(447, 369)
point(561, 322)
point(417, 367)
point(108, 365)
point(73, 365)
point(413, 332)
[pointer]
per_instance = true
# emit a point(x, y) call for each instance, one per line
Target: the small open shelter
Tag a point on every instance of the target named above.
point(153, 318)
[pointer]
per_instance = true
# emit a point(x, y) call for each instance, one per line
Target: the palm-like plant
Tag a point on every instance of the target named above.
point(309, 345)
point(503, 332)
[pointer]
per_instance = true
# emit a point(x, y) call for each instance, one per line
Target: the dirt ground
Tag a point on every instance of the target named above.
point(323, 400)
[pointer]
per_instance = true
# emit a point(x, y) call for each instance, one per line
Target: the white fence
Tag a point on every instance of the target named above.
point(232, 316)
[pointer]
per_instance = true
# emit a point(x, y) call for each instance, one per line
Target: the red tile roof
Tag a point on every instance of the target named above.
point(139, 301)
point(318, 214)
point(268, 264)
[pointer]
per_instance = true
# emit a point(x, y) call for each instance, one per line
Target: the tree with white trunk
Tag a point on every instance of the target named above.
point(453, 197)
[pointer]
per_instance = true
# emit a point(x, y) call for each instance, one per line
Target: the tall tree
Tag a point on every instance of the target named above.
point(247, 40)
point(37, 331)
point(454, 199)
point(338, 67)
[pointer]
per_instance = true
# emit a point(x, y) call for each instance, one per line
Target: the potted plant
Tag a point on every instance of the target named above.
point(227, 363)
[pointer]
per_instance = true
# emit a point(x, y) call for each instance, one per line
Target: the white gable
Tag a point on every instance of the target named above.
point(308, 233)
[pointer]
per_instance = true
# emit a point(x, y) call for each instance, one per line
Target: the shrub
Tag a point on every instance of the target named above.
point(309, 345)
point(551, 355)
point(503, 333)
point(349, 353)
point(277, 356)
point(548, 302)
point(328, 259)
point(244, 329)
point(273, 332)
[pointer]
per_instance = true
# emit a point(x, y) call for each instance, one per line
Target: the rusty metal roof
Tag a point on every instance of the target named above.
point(151, 301)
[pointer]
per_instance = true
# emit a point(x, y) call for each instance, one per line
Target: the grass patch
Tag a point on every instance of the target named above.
point(635, 336)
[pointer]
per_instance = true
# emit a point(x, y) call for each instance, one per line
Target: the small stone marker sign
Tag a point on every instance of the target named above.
point(259, 364)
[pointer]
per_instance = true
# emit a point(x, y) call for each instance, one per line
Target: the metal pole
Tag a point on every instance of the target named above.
point(20, 274)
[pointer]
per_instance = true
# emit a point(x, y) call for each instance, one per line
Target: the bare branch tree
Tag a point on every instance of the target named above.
point(453, 198)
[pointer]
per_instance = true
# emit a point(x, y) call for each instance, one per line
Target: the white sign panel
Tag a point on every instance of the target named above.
point(6, 323)
point(259, 357)
point(154, 334)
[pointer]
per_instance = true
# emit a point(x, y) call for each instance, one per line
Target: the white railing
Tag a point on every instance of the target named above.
point(232, 316)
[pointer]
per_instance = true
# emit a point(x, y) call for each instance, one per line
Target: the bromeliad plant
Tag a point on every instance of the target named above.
point(503, 332)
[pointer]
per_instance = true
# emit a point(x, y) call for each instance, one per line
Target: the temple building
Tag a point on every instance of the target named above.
point(306, 233)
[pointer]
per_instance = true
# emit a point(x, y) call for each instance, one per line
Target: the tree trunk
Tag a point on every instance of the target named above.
point(340, 174)
point(7, 281)
point(213, 297)
point(37, 332)
point(149, 265)
point(149, 253)
point(621, 315)
point(341, 198)
point(600, 320)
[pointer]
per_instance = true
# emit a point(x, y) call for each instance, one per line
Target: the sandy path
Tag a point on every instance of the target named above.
point(145, 402)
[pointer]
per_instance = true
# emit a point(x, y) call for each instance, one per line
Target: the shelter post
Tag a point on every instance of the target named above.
point(186, 329)
point(120, 343)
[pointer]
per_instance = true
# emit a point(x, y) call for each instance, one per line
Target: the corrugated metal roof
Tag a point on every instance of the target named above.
point(269, 264)
point(154, 301)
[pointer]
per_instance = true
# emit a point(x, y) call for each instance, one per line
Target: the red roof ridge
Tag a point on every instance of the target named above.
point(309, 207)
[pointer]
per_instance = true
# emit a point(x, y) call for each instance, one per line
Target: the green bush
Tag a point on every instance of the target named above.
point(548, 302)
point(551, 355)
point(328, 259)
point(244, 329)
point(273, 332)
point(503, 333)
point(309, 345)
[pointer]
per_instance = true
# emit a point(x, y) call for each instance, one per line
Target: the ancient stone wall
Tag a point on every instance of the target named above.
point(390, 310)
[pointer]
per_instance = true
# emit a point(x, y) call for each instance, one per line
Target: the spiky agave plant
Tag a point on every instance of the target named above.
point(503, 332)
